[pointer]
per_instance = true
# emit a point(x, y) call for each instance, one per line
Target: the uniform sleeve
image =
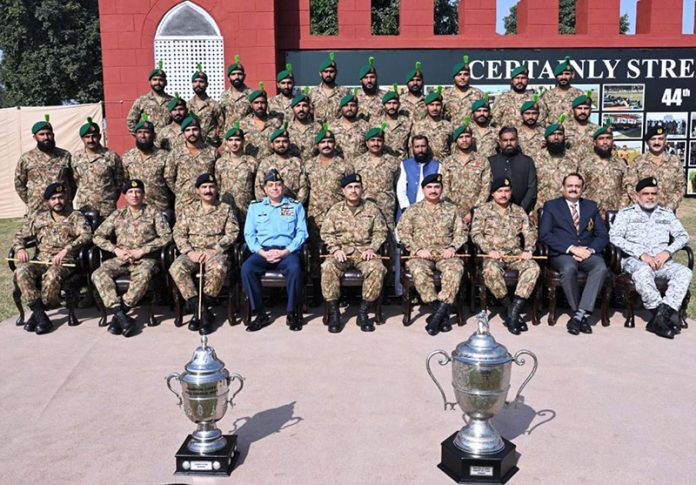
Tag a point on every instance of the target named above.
point(328, 232)
point(258, 182)
point(617, 236)
point(181, 233)
point(83, 231)
point(102, 237)
point(170, 171)
point(301, 233)
point(20, 180)
point(164, 234)
point(529, 233)
point(679, 235)
point(24, 235)
point(303, 191)
point(250, 236)
point(478, 225)
point(133, 117)
point(678, 193)
point(231, 233)
point(119, 175)
point(404, 230)
point(460, 233)
point(630, 181)
point(70, 177)
point(379, 231)
point(485, 183)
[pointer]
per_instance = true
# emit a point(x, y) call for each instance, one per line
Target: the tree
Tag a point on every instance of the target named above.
point(446, 18)
point(323, 17)
point(566, 19)
point(51, 52)
point(385, 17)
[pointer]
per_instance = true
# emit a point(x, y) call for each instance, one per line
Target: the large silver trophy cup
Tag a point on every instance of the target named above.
point(481, 370)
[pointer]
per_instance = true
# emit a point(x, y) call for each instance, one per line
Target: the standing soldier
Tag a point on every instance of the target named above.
point(350, 129)
point(398, 123)
point(235, 173)
point(280, 105)
point(506, 106)
point(208, 111)
point(580, 128)
point(139, 231)
point(327, 95)
point(496, 229)
point(290, 168)
point(529, 131)
point(353, 231)
point(435, 127)
point(558, 99)
point(552, 164)
point(663, 166)
point(258, 125)
point(146, 162)
point(432, 230)
point(170, 135)
point(485, 135)
point(370, 95)
point(59, 234)
point(42, 165)
point(302, 128)
point(413, 100)
point(153, 104)
point(465, 175)
point(235, 100)
point(98, 173)
point(205, 229)
point(459, 97)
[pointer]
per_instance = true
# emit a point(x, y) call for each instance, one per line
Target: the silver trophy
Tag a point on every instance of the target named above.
point(205, 385)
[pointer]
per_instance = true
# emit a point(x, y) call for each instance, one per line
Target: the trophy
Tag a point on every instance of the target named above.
point(205, 385)
point(481, 370)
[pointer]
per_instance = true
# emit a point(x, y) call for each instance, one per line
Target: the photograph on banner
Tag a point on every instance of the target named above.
point(494, 90)
point(692, 154)
point(693, 125)
point(583, 87)
point(623, 97)
point(629, 150)
point(626, 125)
point(691, 181)
point(677, 148)
point(675, 123)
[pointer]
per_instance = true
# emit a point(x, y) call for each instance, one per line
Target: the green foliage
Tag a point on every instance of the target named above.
point(446, 17)
point(510, 21)
point(566, 19)
point(323, 17)
point(385, 17)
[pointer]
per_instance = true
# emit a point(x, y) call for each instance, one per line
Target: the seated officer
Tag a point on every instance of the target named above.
point(275, 230)
point(59, 234)
point(643, 231)
point(353, 231)
point(139, 230)
point(205, 229)
point(496, 229)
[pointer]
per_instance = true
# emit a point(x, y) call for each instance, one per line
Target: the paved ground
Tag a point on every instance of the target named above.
point(80, 406)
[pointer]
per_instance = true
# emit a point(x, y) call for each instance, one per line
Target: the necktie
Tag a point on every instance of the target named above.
point(576, 217)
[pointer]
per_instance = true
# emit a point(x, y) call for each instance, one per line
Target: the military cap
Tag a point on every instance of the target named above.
point(531, 104)
point(480, 103)
point(261, 92)
point(285, 73)
point(89, 127)
point(199, 74)
point(555, 126)
point(499, 182)
point(132, 184)
point(175, 101)
point(604, 129)
point(157, 71)
point(237, 66)
point(145, 124)
point(234, 131)
point(521, 69)
point(562, 66)
point(298, 99)
point(377, 131)
point(330, 62)
point(42, 125)
point(205, 178)
point(368, 68)
point(465, 128)
point(53, 188)
point(324, 133)
point(191, 119)
point(415, 72)
point(434, 95)
point(461, 66)
point(433, 178)
point(656, 129)
point(351, 178)
point(646, 182)
point(348, 98)
point(582, 99)
point(273, 175)
point(393, 93)
point(282, 131)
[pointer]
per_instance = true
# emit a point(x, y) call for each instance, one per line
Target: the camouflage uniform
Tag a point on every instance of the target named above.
point(379, 176)
point(550, 171)
point(36, 170)
point(493, 231)
point(183, 168)
point(147, 230)
point(148, 167)
point(457, 105)
point(52, 236)
point(438, 133)
point(556, 101)
point(506, 108)
point(235, 178)
point(485, 140)
point(198, 229)
point(413, 107)
point(293, 173)
point(580, 138)
point(98, 180)
point(668, 171)
point(370, 105)
point(531, 140)
point(435, 228)
point(302, 138)
point(325, 104)
point(396, 135)
point(256, 141)
point(353, 231)
point(279, 107)
point(350, 138)
point(212, 117)
point(170, 136)
point(466, 178)
point(236, 105)
point(605, 182)
point(154, 106)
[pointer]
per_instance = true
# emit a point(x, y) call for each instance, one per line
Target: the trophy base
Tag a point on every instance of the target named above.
point(466, 468)
point(218, 463)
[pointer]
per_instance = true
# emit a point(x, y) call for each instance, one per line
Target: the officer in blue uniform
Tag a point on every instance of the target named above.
point(275, 230)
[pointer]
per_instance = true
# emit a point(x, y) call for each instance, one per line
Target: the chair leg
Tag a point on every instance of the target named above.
point(247, 309)
point(231, 307)
point(102, 309)
point(460, 302)
point(325, 315)
point(178, 308)
point(483, 295)
point(535, 305)
point(682, 311)
point(71, 301)
point(406, 303)
point(552, 305)
point(606, 298)
point(17, 298)
point(379, 317)
point(151, 318)
point(631, 319)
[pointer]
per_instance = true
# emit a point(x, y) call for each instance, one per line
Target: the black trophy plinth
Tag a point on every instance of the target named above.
point(219, 463)
point(467, 468)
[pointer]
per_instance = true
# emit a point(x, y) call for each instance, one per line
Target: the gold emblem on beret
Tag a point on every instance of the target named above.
point(659, 131)
point(59, 188)
point(439, 177)
point(507, 182)
point(211, 178)
point(134, 183)
point(654, 181)
point(357, 178)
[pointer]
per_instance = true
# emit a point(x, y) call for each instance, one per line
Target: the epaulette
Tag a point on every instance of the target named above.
point(255, 201)
point(293, 201)
point(627, 208)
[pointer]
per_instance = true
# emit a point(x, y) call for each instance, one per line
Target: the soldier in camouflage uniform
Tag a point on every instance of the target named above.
point(665, 167)
point(209, 112)
point(643, 232)
point(580, 129)
point(280, 105)
point(557, 100)
point(507, 105)
point(59, 234)
point(153, 104)
point(552, 164)
point(350, 129)
point(98, 172)
point(370, 95)
point(397, 125)
point(466, 176)
point(139, 231)
point(186, 162)
point(432, 230)
point(353, 232)
point(146, 162)
point(485, 134)
point(328, 94)
point(42, 165)
point(302, 128)
point(235, 173)
point(170, 135)
point(496, 229)
point(235, 100)
point(205, 229)
point(458, 98)
point(258, 125)
point(291, 168)
point(435, 127)
point(605, 174)
point(413, 100)
point(530, 133)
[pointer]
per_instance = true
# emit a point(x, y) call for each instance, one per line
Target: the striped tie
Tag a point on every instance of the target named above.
point(576, 217)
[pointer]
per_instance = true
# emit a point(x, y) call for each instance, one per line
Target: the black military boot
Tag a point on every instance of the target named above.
point(294, 321)
point(363, 318)
point(334, 316)
point(125, 309)
point(442, 312)
point(668, 314)
point(445, 325)
point(207, 318)
point(434, 307)
point(43, 323)
point(121, 320)
point(506, 303)
point(513, 320)
point(36, 307)
point(30, 324)
point(192, 305)
point(658, 325)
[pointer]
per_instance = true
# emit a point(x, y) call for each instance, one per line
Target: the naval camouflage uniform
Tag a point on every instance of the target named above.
point(605, 182)
point(148, 167)
point(580, 138)
point(353, 230)
point(302, 138)
point(485, 140)
point(70, 232)
point(370, 106)
point(235, 178)
point(279, 107)
point(396, 135)
point(668, 172)
point(99, 178)
point(256, 139)
point(556, 101)
point(325, 105)
point(506, 108)
point(145, 229)
point(291, 170)
point(235, 104)
point(36, 170)
point(183, 168)
point(636, 232)
point(350, 138)
point(413, 106)
point(551, 169)
point(466, 179)
point(154, 106)
point(438, 133)
point(200, 229)
point(531, 140)
point(493, 231)
point(457, 105)
point(379, 176)
point(435, 227)
point(211, 115)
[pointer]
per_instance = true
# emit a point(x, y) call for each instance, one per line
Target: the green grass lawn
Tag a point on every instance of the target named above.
point(8, 228)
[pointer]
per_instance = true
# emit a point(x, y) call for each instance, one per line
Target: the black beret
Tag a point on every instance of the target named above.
point(205, 178)
point(433, 178)
point(352, 178)
point(273, 175)
point(646, 182)
point(54, 188)
point(132, 184)
point(499, 182)
point(656, 129)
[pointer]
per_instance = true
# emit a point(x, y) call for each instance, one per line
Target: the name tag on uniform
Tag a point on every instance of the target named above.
point(287, 211)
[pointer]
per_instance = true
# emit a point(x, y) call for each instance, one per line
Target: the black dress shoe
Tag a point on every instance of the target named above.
point(195, 324)
point(573, 326)
point(513, 326)
point(294, 322)
point(523, 326)
point(445, 325)
point(585, 326)
point(30, 324)
point(368, 327)
point(114, 327)
point(261, 320)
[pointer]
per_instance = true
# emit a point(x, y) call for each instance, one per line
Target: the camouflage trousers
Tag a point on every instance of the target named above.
point(373, 278)
point(451, 271)
point(315, 243)
point(215, 271)
point(141, 273)
point(494, 271)
point(643, 276)
point(27, 275)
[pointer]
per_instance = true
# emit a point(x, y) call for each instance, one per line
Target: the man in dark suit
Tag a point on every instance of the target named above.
point(512, 164)
point(573, 229)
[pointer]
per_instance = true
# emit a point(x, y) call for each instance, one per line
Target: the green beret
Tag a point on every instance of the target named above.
point(330, 62)
point(53, 188)
point(480, 103)
point(132, 184)
point(205, 178)
point(237, 66)
point(89, 127)
point(347, 99)
point(562, 66)
point(285, 73)
point(282, 131)
point(367, 68)
point(324, 133)
point(531, 104)
point(190, 120)
point(465, 128)
point(41, 125)
point(234, 131)
point(391, 94)
point(298, 99)
point(175, 101)
point(605, 129)
point(583, 99)
point(415, 72)
point(377, 131)
point(258, 93)
point(157, 71)
point(521, 69)
point(145, 124)
point(434, 95)
point(551, 128)
point(461, 66)
point(646, 182)
point(199, 74)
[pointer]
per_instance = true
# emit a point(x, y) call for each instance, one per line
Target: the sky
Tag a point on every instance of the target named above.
point(627, 6)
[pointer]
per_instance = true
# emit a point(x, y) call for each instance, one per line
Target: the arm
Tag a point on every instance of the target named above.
point(679, 235)
point(25, 233)
point(181, 233)
point(170, 170)
point(547, 231)
point(379, 232)
point(133, 116)
point(300, 230)
point(601, 236)
point(530, 196)
point(83, 231)
point(258, 182)
point(303, 191)
point(404, 231)
point(478, 225)
point(460, 233)
point(485, 183)
point(20, 180)
point(164, 235)
point(328, 233)
point(529, 233)
point(102, 237)
point(617, 236)
point(119, 175)
point(401, 194)
point(231, 233)
point(250, 231)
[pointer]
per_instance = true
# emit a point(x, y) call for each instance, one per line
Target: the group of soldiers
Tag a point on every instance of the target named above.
point(365, 169)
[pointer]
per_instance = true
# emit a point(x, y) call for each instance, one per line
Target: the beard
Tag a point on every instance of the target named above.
point(46, 146)
point(531, 123)
point(482, 120)
point(144, 145)
point(556, 148)
point(350, 115)
point(328, 80)
point(178, 119)
point(238, 83)
point(648, 207)
point(510, 151)
point(369, 88)
point(416, 90)
point(421, 157)
point(199, 90)
point(519, 88)
point(602, 152)
point(158, 88)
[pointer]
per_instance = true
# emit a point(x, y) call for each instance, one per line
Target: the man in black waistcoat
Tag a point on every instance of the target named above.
point(510, 163)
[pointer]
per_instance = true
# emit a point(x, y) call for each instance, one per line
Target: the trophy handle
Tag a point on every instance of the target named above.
point(443, 361)
point(241, 385)
point(169, 378)
point(521, 361)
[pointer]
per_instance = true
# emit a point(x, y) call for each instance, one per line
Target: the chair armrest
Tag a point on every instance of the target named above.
point(689, 256)
point(541, 249)
point(95, 256)
point(305, 257)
